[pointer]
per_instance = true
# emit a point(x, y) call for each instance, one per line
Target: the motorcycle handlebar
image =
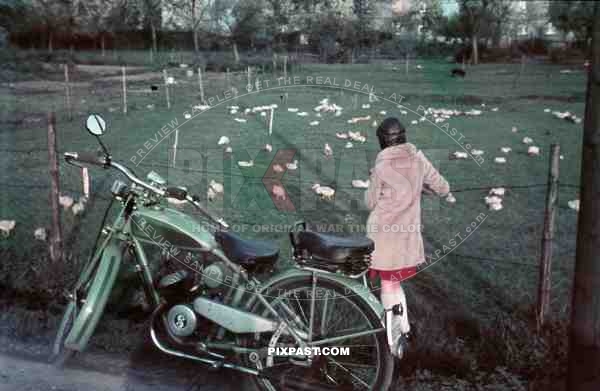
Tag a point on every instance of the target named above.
point(86, 157)
point(170, 192)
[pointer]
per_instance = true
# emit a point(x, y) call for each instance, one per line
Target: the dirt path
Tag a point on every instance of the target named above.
point(22, 374)
point(24, 366)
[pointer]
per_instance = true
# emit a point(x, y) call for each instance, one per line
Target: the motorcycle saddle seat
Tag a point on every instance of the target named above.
point(334, 248)
point(247, 252)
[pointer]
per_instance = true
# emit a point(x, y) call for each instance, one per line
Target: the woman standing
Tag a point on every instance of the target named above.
point(400, 175)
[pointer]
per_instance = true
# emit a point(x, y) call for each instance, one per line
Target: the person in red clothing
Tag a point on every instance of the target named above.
point(401, 174)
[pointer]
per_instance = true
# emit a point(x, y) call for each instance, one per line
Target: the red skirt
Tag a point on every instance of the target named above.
point(393, 275)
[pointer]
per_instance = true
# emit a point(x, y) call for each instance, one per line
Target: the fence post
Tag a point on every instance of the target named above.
point(175, 142)
point(406, 63)
point(56, 252)
point(124, 90)
point(285, 66)
point(167, 88)
point(68, 92)
point(85, 178)
point(249, 79)
point(548, 237)
point(201, 85)
point(271, 113)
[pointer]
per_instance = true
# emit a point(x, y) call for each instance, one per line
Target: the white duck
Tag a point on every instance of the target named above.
point(527, 140)
point(216, 186)
point(360, 184)
point(533, 150)
point(325, 192)
point(65, 201)
point(40, 234)
point(574, 204)
point(292, 166)
point(6, 226)
point(248, 163)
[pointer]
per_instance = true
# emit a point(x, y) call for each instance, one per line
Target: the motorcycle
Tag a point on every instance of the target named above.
point(214, 309)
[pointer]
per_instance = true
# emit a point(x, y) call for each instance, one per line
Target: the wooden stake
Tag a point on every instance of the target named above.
point(175, 146)
point(285, 67)
point(406, 61)
point(167, 89)
point(584, 344)
point(68, 93)
point(548, 238)
point(56, 252)
point(272, 112)
point(200, 85)
point(249, 79)
point(85, 178)
point(124, 90)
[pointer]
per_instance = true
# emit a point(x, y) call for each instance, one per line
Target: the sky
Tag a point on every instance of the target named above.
point(449, 7)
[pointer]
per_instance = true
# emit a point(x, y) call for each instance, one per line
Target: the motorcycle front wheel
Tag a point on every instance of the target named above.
point(363, 360)
point(60, 353)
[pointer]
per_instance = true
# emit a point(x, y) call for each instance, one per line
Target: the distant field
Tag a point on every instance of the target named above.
point(491, 276)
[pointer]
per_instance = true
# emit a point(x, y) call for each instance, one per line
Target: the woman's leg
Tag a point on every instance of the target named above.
point(392, 294)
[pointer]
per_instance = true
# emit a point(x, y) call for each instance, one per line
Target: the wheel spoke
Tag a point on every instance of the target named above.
point(343, 368)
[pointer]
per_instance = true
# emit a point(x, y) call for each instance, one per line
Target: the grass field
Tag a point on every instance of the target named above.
point(481, 293)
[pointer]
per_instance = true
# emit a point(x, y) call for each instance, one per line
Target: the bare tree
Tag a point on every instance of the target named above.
point(478, 16)
point(152, 11)
point(188, 14)
point(54, 15)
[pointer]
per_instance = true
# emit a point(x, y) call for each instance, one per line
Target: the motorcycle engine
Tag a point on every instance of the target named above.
point(178, 288)
point(216, 276)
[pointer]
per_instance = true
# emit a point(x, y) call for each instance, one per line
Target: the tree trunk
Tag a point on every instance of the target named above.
point(584, 344)
point(153, 31)
point(236, 54)
point(475, 54)
point(196, 42)
point(194, 29)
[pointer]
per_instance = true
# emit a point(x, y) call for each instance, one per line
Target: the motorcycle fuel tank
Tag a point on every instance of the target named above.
point(170, 228)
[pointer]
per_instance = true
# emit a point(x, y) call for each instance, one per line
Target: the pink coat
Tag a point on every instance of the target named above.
point(394, 198)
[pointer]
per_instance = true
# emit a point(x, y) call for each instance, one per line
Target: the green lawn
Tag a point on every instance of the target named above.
point(492, 275)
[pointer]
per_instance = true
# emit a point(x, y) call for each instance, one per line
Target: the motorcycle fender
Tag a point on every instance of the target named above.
point(351, 287)
point(104, 279)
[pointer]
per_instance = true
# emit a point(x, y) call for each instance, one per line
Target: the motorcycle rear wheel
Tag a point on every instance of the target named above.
point(347, 311)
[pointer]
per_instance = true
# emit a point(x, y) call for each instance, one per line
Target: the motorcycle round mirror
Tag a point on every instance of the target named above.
point(95, 124)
